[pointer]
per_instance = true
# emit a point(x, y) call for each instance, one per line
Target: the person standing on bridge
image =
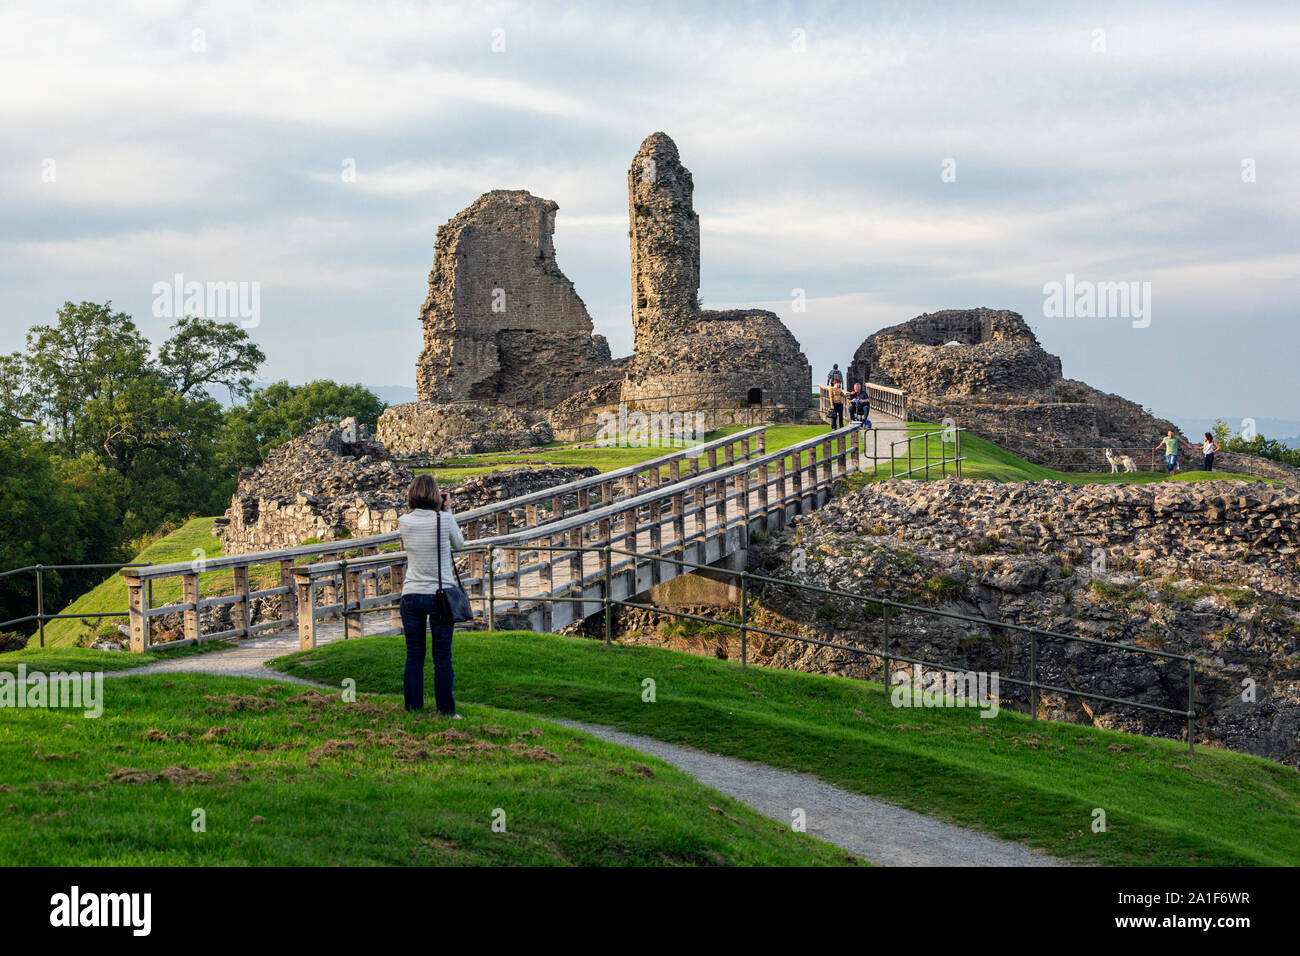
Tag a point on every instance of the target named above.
point(429, 532)
point(836, 377)
point(837, 407)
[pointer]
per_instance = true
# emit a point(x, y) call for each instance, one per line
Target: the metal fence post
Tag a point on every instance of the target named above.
point(744, 619)
point(1033, 674)
point(884, 655)
point(40, 601)
point(609, 586)
point(1191, 684)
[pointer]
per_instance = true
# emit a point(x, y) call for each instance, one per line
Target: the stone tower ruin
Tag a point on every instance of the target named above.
point(665, 241)
point(502, 323)
point(742, 356)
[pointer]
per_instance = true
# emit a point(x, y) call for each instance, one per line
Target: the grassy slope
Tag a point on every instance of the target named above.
point(1037, 783)
point(985, 460)
point(110, 594)
point(290, 776)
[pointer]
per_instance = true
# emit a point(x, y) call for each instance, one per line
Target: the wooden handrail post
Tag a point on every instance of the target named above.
point(138, 613)
point(240, 612)
point(288, 600)
point(397, 577)
point(306, 609)
point(190, 595)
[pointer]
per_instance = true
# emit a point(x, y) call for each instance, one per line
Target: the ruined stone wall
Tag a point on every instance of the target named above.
point(741, 356)
point(738, 356)
point(447, 429)
point(314, 487)
point(665, 240)
point(502, 323)
point(1210, 569)
point(996, 352)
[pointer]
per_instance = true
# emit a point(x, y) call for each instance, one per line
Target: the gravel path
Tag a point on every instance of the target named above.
point(877, 832)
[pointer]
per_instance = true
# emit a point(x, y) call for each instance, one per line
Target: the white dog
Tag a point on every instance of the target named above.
point(1117, 460)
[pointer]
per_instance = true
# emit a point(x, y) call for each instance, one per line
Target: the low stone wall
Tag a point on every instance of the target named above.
point(449, 429)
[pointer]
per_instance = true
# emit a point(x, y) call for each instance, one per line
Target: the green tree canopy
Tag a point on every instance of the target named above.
point(279, 412)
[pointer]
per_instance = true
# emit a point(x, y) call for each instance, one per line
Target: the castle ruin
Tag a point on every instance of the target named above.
point(746, 356)
point(502, 323)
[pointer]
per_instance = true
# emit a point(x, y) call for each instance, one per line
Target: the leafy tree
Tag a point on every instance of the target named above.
point(89, 379)
point(53, 510)
point(279, 412)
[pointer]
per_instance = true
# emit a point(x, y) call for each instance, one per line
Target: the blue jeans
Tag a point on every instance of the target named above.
point(1171, 462)
point(419, 618)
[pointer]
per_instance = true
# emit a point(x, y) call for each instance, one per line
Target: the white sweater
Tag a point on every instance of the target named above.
point(419, 530)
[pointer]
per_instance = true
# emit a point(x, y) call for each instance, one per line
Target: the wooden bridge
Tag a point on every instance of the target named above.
point(539, 561)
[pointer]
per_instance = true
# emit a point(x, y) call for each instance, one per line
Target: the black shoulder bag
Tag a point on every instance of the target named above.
point(451, 604)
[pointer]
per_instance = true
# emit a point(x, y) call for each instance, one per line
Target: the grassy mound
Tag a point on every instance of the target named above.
point(290, 775)
point(1038, 783)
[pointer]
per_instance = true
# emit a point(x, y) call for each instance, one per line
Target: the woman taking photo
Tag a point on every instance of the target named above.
point(429, 532)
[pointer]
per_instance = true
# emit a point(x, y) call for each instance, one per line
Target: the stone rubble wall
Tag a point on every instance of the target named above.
point(1209, 569)
point(309, 488)
point(462, 428)
point(502, 323)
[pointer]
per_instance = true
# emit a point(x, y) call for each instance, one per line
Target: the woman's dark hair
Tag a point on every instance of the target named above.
point(424, 493)
point(1209, 437)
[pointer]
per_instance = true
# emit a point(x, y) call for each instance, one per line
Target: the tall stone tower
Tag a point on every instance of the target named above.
point(685, 353)
point(665, 240)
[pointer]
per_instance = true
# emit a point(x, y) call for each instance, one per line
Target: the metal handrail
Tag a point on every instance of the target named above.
point(40, 616)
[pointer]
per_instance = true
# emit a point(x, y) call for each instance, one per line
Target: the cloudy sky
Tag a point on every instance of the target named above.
point(214, 140)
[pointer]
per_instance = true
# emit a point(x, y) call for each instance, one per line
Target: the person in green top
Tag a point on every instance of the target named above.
point(1170, 443)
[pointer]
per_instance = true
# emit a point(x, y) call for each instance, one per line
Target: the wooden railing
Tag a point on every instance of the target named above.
point(515, 514)
point(759, 493)
point(883, 398)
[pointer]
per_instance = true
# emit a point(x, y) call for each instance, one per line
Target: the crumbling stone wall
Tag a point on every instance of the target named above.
point(1000, 383)
point(314, 486)
point(447, 429)
point(319, 486)
point(995, 352)
point(1210, 569)
point(736, 355)
point(502, 323)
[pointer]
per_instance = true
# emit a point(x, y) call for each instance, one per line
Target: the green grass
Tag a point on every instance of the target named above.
point(987, 461)
point(67, 657)
point(110, 594)
point(1033, 782)
point(290, 776)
